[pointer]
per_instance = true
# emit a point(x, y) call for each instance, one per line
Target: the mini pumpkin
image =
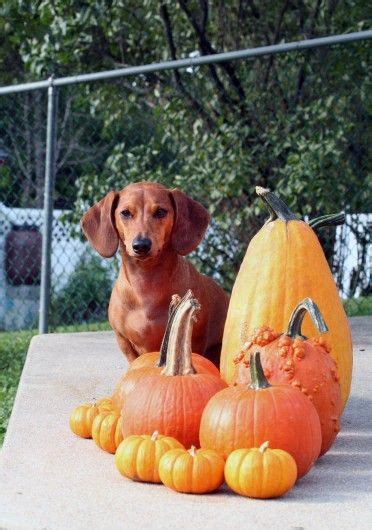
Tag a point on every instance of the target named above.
point(192, 471)
point(81, 419)
point(261, 473)
point(173, 400)
point(107, 430)
point(105, 404)
point(138, 456)
point(303, 363)
point(246, 416)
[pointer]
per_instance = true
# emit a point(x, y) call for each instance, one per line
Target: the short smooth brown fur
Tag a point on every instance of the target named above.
point(140, 298)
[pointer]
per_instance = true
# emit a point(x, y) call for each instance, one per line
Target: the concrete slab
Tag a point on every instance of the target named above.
point(51, 479)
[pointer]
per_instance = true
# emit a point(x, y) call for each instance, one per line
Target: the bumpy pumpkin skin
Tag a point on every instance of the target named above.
point(138, 457)
point(81, 420)
point(239, 417)
point(305, 365)
point(193, 471)
point(107, 431)
point(285, 263)
point(260, 473)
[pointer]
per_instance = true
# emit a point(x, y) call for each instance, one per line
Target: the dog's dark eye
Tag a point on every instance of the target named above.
point(160, 213)
point(126, 214)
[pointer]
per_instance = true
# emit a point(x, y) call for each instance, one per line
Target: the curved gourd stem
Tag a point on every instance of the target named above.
point(295, 322)
point(258, 379)
point(332, 219)
point(164, 343)
point(179, 341)
point(277, 208)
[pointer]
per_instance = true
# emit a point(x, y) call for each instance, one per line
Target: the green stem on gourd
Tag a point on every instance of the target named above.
point(332, 219)
point(277, 208)
point(295, 322)
point(179, 340)
point(175, 300)
point(258, 379)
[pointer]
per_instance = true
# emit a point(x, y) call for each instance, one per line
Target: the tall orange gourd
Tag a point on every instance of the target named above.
point(285, 263)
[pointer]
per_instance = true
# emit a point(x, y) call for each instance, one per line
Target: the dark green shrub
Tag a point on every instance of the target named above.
point(86, 296)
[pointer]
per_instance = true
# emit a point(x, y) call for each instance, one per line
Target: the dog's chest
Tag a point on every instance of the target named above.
point(144, 332)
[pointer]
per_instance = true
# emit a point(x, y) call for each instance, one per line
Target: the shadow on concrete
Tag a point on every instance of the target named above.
point(357, 415)
point(346, 470)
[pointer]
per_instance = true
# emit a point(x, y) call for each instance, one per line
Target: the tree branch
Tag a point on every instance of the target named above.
point(194, 103)
point(309, 35)
point(207, 49)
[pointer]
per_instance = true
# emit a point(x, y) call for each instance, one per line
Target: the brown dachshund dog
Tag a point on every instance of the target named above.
point(154, 227)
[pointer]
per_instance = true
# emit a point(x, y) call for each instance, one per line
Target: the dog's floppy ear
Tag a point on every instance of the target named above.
point(98, 225)
point(191, 221)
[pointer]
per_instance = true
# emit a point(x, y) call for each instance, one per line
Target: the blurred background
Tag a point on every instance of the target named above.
point(296, 122)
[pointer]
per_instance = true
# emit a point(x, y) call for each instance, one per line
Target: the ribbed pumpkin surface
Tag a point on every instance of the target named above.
point(285, 263)
point(172, 405)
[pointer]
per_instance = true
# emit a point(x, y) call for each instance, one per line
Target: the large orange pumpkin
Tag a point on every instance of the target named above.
point(154, 362)
point(241, 417)
point(283, 265)
point(173, 400)
point(304, 363)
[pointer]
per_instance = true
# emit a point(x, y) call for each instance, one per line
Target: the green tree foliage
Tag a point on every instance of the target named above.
point(292, 122)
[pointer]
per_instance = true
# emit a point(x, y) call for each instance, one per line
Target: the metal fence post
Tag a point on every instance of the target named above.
point(51, 133)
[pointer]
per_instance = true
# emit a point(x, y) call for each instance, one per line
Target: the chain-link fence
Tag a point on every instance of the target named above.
point(294, 122)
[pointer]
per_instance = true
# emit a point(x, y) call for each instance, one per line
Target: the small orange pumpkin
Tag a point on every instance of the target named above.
point(260, 473)
point(81, 419)
point(292, 359)
point(105, 404)
point(137, 457)
point(247, 416)
point(192, 471)
point(106, 430)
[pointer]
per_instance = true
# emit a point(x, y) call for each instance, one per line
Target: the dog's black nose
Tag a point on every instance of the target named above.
point(141, 245)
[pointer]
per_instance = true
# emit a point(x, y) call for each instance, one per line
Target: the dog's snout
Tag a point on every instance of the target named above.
point(141, 245)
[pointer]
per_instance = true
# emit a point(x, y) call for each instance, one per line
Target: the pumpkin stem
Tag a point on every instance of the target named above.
point(175, 300)
point(264, 446)
point(277, 208)
point(295, 322)
point(154, 436)
point(192, 451)
point(179, 341)
point(332, 219)
point(258, 379)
